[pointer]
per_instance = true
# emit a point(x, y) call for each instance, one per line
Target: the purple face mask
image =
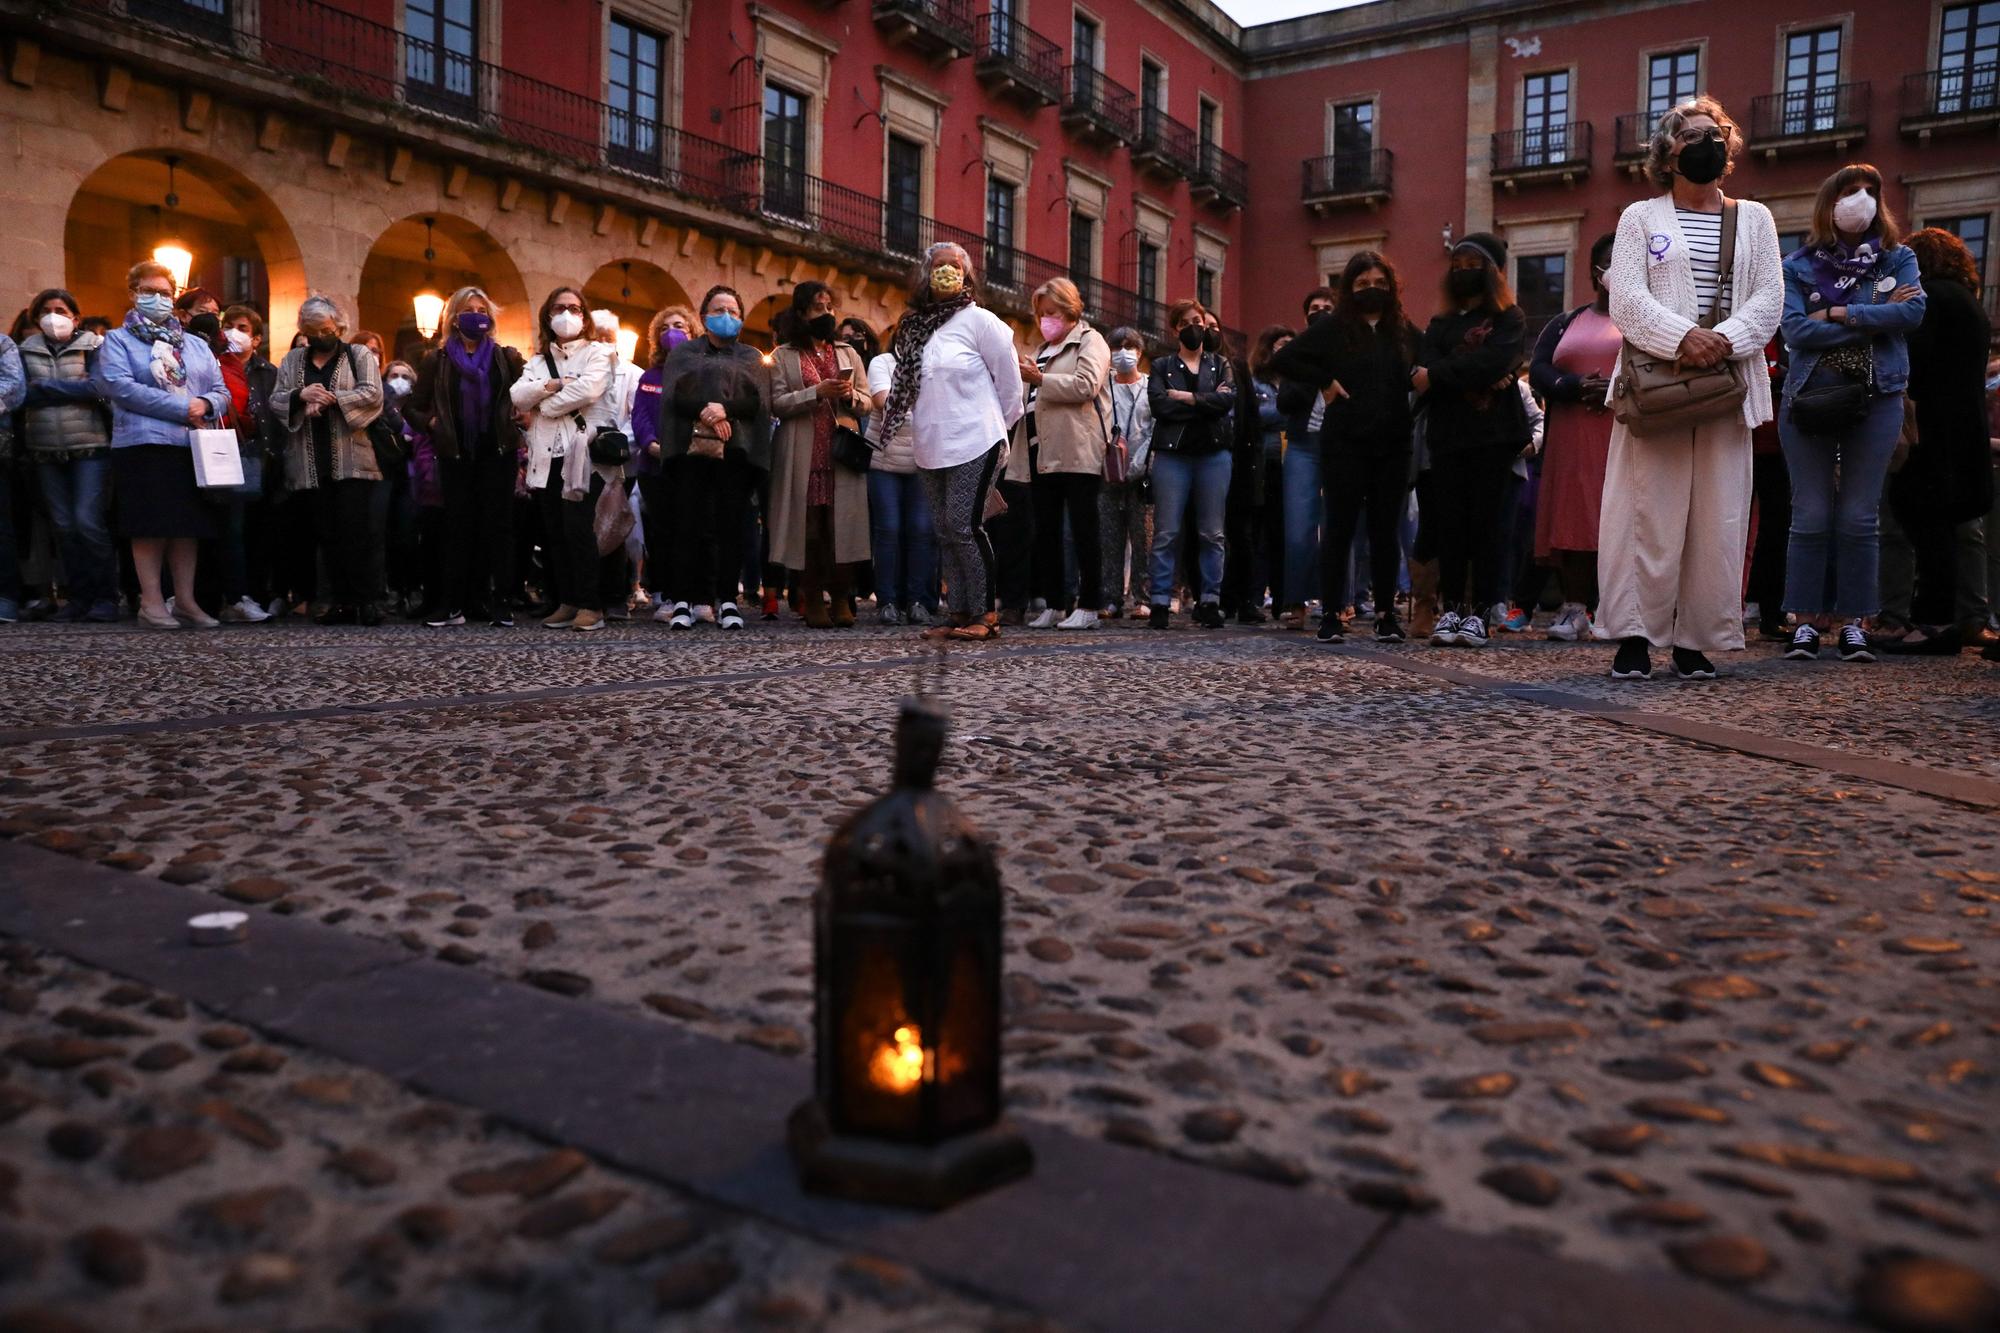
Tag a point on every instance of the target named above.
point(473, 323)
point(673, 337)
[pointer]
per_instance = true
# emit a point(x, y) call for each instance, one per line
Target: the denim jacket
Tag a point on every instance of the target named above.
point(1874, 319)
point(142, 412)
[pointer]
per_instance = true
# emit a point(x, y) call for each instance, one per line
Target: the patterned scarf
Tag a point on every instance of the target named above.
point(912, 335)
point(169, 371)
point(1837, 267)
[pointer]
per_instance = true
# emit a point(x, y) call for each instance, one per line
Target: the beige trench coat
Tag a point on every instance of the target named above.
point(1072, 408)
point(791, 465)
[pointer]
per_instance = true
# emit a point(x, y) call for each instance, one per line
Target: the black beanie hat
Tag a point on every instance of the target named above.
point(1490, 245)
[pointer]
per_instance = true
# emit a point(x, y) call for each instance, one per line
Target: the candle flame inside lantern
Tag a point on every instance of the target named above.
point(898, 1065)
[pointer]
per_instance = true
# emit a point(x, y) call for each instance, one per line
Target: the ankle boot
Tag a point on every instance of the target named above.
point(1423, 598)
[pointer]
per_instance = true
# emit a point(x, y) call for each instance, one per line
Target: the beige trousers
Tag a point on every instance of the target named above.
point(1671, 536)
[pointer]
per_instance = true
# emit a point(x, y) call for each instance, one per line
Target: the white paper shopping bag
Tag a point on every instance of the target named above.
point(217, 462)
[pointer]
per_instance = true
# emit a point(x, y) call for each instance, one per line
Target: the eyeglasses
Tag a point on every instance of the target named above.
point(1695, 136)
point(569, 309)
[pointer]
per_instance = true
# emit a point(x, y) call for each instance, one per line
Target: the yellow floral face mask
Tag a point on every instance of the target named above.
point(947, 280)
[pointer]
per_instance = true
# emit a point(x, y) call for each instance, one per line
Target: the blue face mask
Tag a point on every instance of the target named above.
point(154, 306)
point(723, 324)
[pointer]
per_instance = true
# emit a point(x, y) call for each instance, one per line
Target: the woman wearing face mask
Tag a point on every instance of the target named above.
point(667, 331)
point(1675, 518)
point(1572, 368)
point(561, 392)
point(250, 379)
point(404, 522)
point(66, 429)
point(1192, 394)
point(160, 384)
point(957, 382)
point(463, 402)
point(1061, 452)
point(901, 535)
point(819, 511)
point(327, 394)
point(1125, 509)
point(1356, 363)
point(1852, 299)
point(1476, 429)
point(714, 437)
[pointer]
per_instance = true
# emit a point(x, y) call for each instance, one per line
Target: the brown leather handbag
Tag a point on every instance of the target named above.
point(1657, 393)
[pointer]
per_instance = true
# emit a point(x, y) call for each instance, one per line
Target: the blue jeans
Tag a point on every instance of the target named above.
point(78, 495)
point(1176, 477)
point(1304, 514)
point(902, 540)
point(1838, 518)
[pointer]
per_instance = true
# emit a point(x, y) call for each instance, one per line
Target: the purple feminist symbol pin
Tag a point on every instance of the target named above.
point(1657, 244)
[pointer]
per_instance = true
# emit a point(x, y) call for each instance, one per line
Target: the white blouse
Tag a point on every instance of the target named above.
point(970, 396)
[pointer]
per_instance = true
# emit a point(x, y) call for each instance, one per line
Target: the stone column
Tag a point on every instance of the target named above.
point(1482, 98)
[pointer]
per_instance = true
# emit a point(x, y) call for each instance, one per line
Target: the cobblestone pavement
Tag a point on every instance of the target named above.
point(161, 1170)
point(1289, 910)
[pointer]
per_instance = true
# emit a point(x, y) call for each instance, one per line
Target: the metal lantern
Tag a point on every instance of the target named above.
point(906, 980)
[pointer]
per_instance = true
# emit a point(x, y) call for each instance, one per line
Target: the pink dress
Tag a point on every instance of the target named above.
point(1576, 442)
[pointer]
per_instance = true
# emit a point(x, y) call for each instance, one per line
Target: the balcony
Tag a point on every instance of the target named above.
point(940, 29)
point(1342, 180)
point(1944, 101)
point(1559, 152)
point(1809, 118)
point(1097, 108)
point(1634, 138)
point(1015, 60)
point(1165, 147)
point(1221, 177)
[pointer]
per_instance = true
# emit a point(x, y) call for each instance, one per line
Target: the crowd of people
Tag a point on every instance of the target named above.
point(1719, 428)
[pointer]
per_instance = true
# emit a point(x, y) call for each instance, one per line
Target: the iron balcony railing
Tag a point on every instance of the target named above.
point(1092, 101)
point(1010, 50)
point(938, 27)
point(1165, 143)
point(1837, 111)
point(1223, 175)
point(1356, 174)
point(1635, 134)
point(1564, 146)
point(1968, 93)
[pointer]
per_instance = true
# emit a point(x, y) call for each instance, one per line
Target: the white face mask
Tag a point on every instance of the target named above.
point(57, 326)
point(399, 386)
point(239, 341)
point(1125, 361)
point(1854, 212)
point(566, 324)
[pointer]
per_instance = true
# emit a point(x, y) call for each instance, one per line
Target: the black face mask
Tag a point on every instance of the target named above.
point(1466, 283)
point(1703, 162)
point(823, 327)
point(1317, 315)
point(1192, 337)
point(1370, 300)
point(859, 345)
point(1211, 341)
point(205, 326)
point(323, 345)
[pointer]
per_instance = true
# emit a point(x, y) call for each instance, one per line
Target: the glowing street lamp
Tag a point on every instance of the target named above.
point(427, 307)
point(628, 344)
point(178, 259)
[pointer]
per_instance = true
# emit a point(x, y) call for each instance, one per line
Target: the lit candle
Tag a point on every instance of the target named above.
point(898, 1065)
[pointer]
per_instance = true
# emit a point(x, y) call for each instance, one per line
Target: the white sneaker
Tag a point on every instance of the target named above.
point(1046, 620)
point(682, 618)
point(664, 612)
point(252, 612)
point(705, 614)
point(729, 617)
point(1079, 619)
point(1471, 632)
point(1446, 633)
point(1572, 623)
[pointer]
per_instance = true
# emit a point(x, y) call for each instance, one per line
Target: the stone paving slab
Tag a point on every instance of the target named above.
point(1294, 914)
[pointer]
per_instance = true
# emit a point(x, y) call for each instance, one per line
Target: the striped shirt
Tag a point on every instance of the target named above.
point(1704, 242)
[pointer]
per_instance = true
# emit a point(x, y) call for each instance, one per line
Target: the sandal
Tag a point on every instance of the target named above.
point(977, 632)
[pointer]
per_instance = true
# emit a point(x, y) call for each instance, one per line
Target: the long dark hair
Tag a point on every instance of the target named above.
point(1353, 327)
point(795, 330)
point(1266, 346)
point(34, 311)
point(1499, 296)
point(547, 334)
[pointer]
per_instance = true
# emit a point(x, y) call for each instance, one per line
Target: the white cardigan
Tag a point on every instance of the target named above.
point(1653, 300)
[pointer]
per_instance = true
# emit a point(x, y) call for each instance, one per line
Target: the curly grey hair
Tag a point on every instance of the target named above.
point(316, 309)
point(1660, 148)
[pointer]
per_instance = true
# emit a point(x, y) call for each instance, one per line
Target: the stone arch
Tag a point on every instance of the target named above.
point(395, 270)
point(635, 290)
point(243, 247)
point(759, 318)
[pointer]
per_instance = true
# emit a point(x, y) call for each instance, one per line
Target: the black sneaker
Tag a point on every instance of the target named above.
point(1386, 628)
point(1691, 665)
point(446, 620)
point(1805, 644)
point(369, 615)
point(503, 619)
point(1331, 630)
point(1634, 661)
point(1209, 615)
point(1854, 645)
point(1159, 618)
point(1250, 615)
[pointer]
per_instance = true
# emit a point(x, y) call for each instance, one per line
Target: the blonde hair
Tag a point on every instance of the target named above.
point(144, 269)
point(1660, 148)
point(1062, 294)
point(1889, 232)
point(453, 306)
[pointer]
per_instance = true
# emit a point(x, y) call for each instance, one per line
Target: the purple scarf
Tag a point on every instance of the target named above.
point(475, 387)
point(1838, 267)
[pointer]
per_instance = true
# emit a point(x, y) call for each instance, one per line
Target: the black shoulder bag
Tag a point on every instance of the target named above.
point(388, 446)
point(609, 447)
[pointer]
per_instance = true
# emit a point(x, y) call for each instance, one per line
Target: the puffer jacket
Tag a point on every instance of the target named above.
point(66, 419)
point(357, 390)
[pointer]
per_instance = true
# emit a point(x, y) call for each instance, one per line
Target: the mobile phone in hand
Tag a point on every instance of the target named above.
point(846, 375)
